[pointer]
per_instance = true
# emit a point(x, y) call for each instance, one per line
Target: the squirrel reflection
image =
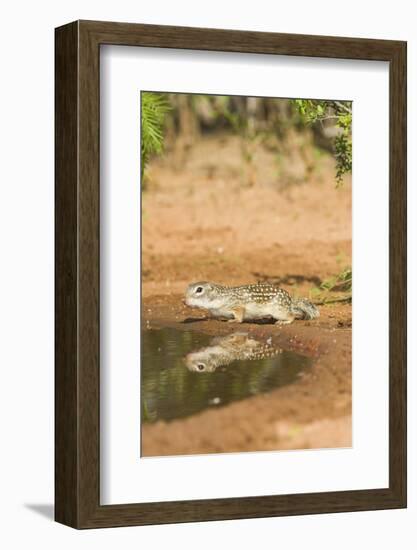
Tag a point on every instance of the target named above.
point(223, 350)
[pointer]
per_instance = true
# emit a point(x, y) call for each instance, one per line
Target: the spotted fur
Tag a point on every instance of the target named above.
point(249, 302)
point(224, 350)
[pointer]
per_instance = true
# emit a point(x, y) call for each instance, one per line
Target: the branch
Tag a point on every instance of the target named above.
point(342, 106)
point(336, 300)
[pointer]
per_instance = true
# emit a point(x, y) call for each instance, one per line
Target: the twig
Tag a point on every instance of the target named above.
point(342, 106)
point(336, 300)
point(328, 117)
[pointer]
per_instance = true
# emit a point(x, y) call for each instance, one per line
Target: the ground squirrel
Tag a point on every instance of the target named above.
point(224, 350)
point(249, 302)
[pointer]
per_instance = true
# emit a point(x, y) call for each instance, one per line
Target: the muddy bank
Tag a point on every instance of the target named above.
point(313, 412)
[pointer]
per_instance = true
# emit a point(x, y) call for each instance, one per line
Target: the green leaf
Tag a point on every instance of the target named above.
point(154, 108)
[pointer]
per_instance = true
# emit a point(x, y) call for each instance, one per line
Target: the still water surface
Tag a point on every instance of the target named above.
point(185, 372)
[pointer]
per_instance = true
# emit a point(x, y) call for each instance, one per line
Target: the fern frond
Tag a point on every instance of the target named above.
point(154, 109)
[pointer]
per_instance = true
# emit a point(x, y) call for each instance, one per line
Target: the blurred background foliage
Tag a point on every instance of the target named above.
point(177, 121)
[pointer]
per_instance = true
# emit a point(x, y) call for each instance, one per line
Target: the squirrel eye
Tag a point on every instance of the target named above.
point(199, 289)
point(200, 366)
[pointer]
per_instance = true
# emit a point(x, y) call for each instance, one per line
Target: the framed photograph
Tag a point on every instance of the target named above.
point(230, 274)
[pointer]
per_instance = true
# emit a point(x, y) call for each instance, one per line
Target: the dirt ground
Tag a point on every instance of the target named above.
point(201, 221)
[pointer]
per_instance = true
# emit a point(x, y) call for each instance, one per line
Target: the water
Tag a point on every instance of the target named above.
point(185, 372)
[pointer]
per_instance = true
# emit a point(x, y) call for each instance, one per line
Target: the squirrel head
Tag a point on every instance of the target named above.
point(204, 295)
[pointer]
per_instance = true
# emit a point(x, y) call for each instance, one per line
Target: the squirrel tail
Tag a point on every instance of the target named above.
point(303, 309)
